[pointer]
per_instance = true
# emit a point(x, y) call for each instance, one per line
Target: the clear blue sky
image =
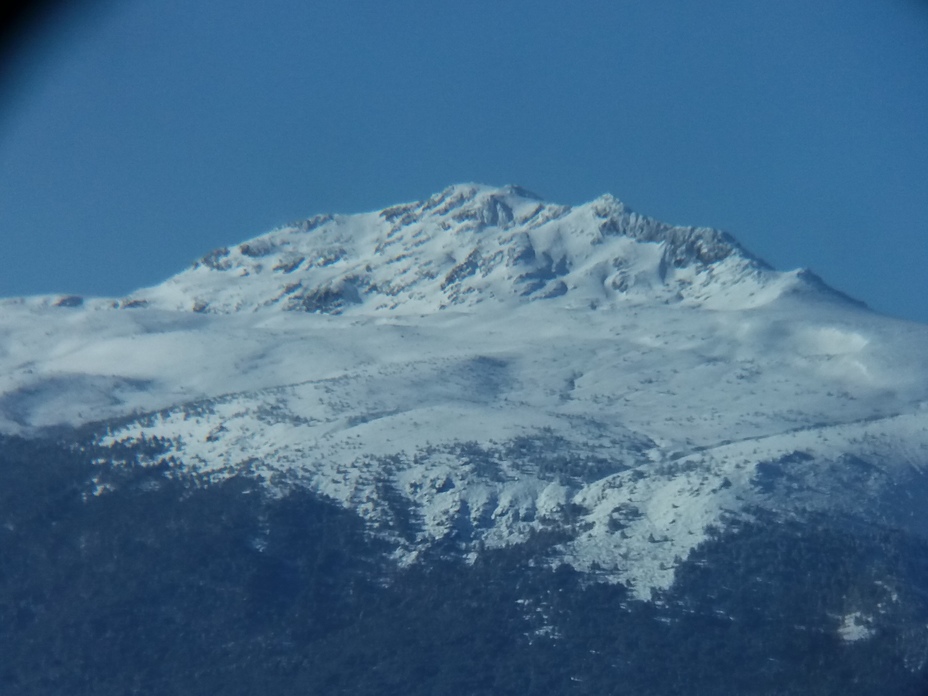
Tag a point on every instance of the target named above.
point(137, 135)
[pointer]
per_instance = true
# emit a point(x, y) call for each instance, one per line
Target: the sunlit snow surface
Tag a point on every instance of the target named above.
point(501, 365)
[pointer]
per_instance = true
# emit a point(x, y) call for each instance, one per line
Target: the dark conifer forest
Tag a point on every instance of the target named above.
point(132, 580)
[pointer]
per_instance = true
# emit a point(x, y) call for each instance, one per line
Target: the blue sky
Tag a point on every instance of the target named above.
point(136, 136)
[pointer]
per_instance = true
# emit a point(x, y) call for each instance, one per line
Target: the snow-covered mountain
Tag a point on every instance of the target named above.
point(470, 245)
point(481, 366)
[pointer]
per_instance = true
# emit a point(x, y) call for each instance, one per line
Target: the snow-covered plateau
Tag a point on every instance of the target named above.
point(483, 365)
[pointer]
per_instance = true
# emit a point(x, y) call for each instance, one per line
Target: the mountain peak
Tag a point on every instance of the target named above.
point(620, 381)
point(488, 205)
point(660, 442)
point(474, 191)
point(467, 245)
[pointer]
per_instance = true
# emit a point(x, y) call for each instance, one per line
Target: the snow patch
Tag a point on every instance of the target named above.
point(854, 627)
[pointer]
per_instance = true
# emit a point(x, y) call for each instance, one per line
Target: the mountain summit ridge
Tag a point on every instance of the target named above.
point(469, 244)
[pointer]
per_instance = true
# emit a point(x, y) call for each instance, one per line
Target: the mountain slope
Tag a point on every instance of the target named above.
point(161, 586)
